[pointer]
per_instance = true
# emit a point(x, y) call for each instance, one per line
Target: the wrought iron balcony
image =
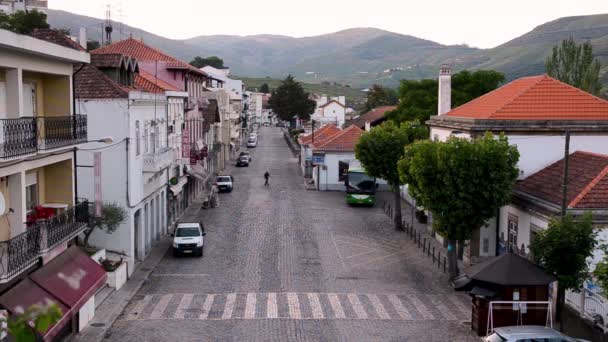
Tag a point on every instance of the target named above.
point(17, 137)
point(158, 160)
point(24, 250)
point(60, 131)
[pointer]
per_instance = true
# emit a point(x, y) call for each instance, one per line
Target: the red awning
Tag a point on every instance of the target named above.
point(73, 277)
point(27, 293)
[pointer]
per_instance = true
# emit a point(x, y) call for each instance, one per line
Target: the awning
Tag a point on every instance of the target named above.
point(73, 277)
point(198, 172)
point(27, 293)
point(177, 188)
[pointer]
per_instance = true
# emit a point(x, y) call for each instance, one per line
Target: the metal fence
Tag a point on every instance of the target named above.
point(59, 131)
point(17, 137)
point(589, 304)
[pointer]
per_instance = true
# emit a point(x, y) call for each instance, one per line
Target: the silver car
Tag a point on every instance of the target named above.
point(528, 333)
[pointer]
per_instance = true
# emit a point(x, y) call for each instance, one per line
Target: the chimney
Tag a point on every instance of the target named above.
point(82, 38)
point(368, 126)
point(444, 100)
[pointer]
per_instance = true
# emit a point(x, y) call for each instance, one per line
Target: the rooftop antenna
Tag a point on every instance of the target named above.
point(108, 26)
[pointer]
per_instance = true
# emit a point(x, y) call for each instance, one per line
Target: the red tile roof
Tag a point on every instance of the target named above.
point(373, 116)
point(343, 141)
point(587, 182)
point(142, 52)
point(320, 134)
point(534, 98)
point(56, 37)
point(91, 83)
point(149, 83)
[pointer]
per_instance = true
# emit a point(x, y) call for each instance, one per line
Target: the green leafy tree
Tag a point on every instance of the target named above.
point(23, 22)
point(462, 182)
point(93, 45)
point(264, 88)
point(213, 61)
point(601, 271)
point(563, 250)
point(23, 328)
point(380, 149)
point(574, 64)
point(289, 100)
point(380, 96)
point(112, 215)
point(418, 99)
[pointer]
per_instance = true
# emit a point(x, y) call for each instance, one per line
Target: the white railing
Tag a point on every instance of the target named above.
point(589, 304)
point(156, 161)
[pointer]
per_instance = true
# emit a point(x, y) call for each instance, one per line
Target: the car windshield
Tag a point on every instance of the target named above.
point(187, 232)
point(361, 181)
point(223, 179)
point(244, 153)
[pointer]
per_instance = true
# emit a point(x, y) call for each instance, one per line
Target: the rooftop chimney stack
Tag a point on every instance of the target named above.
point(83, 37)
point(368, 126)
point(444, 103)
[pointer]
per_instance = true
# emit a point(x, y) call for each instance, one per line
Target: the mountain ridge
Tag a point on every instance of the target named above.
point(363, 55)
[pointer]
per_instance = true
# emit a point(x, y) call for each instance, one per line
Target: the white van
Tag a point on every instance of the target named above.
point(188, 238)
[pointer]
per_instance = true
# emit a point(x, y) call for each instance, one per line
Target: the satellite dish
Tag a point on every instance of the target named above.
point(2, 204)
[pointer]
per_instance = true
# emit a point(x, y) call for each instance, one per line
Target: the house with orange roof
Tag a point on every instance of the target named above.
point(333, 154)
point(535, 113)
point(330, 110)
point(307, 143)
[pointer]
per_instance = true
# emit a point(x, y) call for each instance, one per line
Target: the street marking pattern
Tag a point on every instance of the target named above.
point(229, 306)
point(160, 307)
point(207, 306)
point(323, 306)
point(315, 305)
point(180, 313)
point(272, 310)
point(250, 306)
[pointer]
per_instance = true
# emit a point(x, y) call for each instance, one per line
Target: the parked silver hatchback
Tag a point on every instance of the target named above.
point(528, 333)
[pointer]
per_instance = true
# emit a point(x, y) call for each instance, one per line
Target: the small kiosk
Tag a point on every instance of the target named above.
point(517, 288)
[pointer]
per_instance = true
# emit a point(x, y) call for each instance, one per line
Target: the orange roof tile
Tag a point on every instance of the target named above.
point(140, 51)
point(152, 84)
point(534, 98)
point(373, 116)
point(343, 141)
point(587, 181)
point(330, 102)
point(320, 134)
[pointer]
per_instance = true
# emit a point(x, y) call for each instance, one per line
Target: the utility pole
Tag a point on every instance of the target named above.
point(565, 174)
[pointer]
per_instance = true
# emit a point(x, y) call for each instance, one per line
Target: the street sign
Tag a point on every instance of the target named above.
point(318, 159)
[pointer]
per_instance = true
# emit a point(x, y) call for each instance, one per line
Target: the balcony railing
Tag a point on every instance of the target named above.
point(59, 131)
point(156, 161)
point(17, 137)
point(24, 250)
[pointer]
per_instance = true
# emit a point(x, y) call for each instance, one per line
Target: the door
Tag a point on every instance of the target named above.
point(29, 99)
point(513, 227)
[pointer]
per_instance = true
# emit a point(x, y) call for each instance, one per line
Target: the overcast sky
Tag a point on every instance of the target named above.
point(479, 23)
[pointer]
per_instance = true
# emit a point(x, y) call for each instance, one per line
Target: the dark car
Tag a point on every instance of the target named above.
point(243, 161)
point(246, 154)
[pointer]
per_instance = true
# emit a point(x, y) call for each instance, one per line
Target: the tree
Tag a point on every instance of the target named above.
point(23, 328)
point(23, 22)
point(462, 182)
point(264, 88)
point(574, 64)
point(92, 45)
point(563, 250)
point(380, 96)
point(289, 100)
point(112, 215)
point(379, 151)
point(418, 99)
point(213, 61)
point(601, 271)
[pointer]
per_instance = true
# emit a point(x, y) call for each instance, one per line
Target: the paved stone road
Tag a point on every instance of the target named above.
point(285, 264)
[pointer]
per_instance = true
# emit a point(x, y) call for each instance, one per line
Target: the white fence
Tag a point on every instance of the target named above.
point(590, 305)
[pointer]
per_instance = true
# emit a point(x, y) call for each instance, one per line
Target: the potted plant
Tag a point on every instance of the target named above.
point(116, 271)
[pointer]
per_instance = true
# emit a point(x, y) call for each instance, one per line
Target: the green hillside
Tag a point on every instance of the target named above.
point(355, 97)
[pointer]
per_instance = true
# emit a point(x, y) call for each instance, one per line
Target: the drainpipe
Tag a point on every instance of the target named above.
point(75, 167)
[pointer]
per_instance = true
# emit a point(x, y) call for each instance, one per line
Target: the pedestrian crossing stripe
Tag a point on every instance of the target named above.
point(298, 306)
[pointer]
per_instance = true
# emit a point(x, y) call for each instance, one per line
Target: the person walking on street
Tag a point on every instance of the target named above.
point(266, 177)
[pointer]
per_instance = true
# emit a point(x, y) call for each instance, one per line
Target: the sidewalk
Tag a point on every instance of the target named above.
point(112, 307)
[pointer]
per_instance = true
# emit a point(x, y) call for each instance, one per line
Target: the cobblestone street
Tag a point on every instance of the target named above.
point(285, 264)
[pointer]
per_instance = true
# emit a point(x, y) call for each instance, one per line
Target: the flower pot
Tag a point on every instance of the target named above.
point(118, 277)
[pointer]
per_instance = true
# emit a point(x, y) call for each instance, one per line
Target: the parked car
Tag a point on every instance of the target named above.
point(224, 183)
point(280, 124)
point(252, 143)
point(528, 333)
point(242, 161)
point(246, 154)
point(267, 124)
point(188, 238)
point(253, 136)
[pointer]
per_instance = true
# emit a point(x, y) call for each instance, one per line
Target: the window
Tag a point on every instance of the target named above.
point(31, 197)
point(146, 142)
point(137, 143)
point(342, 171)
point(513, 228)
